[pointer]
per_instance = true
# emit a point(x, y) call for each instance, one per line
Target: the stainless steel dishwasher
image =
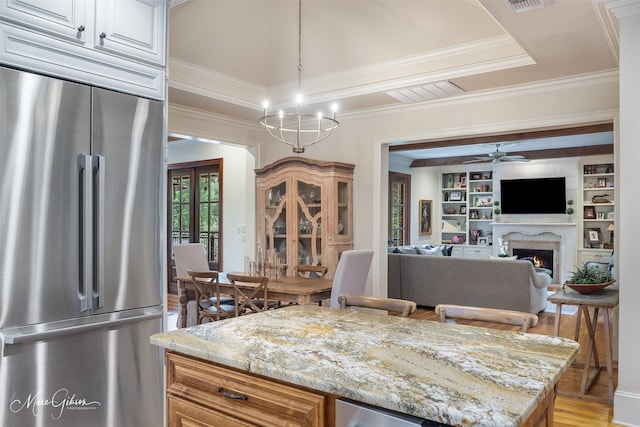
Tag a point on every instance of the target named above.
point(356, 414)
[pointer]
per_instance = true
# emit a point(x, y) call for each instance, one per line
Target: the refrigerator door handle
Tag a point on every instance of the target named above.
point(99, 166)
point(29, 337)
point(85, 275)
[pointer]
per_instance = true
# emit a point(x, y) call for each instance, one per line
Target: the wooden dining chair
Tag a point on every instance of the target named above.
point(449, 312)
point(311, 271)
point(253, 298)
point(208, 297)
point(191, 256)
point(404, 307)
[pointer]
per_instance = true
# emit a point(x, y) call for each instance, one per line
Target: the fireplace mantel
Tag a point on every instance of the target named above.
point(562, 232)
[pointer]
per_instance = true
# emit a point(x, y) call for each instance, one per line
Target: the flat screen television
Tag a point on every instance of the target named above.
point(533, 196)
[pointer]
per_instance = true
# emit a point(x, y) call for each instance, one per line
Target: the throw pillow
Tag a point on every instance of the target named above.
point(431, 252)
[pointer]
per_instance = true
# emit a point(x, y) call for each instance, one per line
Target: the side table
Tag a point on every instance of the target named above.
point(605, 299)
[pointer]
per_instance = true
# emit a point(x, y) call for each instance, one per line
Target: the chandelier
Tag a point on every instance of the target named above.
point(299, 130)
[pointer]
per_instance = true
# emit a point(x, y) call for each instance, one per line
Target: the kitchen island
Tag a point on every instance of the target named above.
point(453, 374)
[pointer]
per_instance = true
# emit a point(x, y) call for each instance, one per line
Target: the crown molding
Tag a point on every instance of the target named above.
point(609, 13)
point(527, 89)
point(205, 82)
point(394, 74)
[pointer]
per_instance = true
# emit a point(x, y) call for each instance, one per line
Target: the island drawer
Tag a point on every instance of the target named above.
point(244, 396)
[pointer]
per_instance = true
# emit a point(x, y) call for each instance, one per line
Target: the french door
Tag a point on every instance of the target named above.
point(195, 208)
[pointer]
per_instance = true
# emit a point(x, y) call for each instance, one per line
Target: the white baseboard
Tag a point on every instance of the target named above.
point(626, 409)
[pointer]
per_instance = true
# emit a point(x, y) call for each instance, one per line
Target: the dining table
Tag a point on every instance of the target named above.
point(292, 290)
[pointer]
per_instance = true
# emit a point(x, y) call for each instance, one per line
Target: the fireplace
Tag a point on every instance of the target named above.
point(559, 237)
point(540, 258)
point(543, 254)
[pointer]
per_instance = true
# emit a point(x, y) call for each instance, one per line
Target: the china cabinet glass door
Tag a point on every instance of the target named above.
point(276, 220)
point(309, 216)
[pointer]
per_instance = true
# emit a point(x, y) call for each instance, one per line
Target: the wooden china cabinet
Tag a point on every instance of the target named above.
point(304, 211)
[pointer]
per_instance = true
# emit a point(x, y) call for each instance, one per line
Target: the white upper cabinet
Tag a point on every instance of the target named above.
point(65, 19)
point(117, 44)
point(134, 28)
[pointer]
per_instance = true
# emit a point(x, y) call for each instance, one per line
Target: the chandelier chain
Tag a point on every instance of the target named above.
point(299, 45)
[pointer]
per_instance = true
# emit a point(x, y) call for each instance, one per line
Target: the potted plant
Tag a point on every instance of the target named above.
point(589, 278)
point(496, 210)
point(570, 208)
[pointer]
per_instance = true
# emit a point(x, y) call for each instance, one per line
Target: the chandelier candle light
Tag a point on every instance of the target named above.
point(299, 130)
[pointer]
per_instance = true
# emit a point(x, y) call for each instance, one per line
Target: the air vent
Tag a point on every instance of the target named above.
point(426, 92)
point(520, 6)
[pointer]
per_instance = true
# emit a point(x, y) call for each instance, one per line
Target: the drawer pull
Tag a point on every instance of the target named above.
point(222, 391)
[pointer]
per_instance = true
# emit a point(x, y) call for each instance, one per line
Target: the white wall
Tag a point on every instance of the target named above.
point(627, 397)
point(238, 193)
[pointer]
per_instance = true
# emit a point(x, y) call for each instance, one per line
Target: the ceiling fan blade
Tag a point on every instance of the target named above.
point(515, 158)
point(478, 160)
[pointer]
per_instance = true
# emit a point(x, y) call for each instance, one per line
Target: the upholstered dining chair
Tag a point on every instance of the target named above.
point(208, 299)
point(404, 307)
point(191, 256)
point(254, 298)
point(351, 274)
point(311, 271)
point(449, 312)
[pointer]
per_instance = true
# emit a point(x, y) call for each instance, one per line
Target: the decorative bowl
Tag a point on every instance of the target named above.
point(589, 288)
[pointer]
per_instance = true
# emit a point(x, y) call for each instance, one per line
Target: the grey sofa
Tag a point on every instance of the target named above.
point(493, 283)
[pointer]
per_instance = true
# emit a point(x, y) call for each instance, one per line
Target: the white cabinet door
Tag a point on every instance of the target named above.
point(64, 19)
point(477, 252)
point(456, 252)
point(134, 28)
point(602, 257)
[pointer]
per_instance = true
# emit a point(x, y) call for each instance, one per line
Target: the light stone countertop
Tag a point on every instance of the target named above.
point(453, 374)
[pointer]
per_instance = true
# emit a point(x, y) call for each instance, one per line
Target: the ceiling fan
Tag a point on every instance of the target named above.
point(498, 156)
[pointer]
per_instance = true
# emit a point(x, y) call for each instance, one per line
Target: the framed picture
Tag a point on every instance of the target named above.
point(463, 210)
point(455, 196)
point(602, 182)
point(474, 215)
point(483, 241)
point(589, 212)
point(474, 235)
point(484, 202)
point(593, 236)
point(425, 217)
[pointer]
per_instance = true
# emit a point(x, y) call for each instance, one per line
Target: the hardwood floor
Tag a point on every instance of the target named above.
point(569, 412)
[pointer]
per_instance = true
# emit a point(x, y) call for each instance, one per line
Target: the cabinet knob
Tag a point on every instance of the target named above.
point(81, 28)
point(103, 35)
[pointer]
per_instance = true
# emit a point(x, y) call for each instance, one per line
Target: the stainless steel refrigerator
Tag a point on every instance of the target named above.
point(81, 183)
